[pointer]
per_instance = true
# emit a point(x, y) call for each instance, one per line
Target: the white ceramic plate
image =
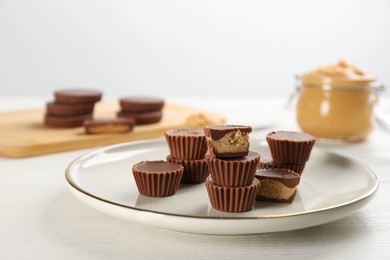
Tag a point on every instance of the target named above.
point(331, 188)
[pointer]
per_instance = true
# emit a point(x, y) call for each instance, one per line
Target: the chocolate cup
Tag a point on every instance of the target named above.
point(56, 109)
point(161, 183)
point(295, 150)
point(277, 184)
point(227, 199)
point(266, 162)
point(233, 172)
point(109, 125)
point(77, 96)
point(195, 171)
point(226, 141)
point(141, 104)
point(144, 118)
point(186, 143)
point(65, 121)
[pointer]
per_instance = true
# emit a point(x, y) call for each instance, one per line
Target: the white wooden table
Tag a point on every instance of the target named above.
point(40, 218)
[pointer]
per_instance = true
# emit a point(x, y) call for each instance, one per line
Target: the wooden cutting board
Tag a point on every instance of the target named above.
point(22, 133)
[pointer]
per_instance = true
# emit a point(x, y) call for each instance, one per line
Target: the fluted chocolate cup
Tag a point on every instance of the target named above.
point(233, 172)
point(139, 104)
point(77, 96)
point(232, 199)
point(195, 171)
point(157, 178)
point(186, 143)
point(56, 109)
point(290, 147)
point(266, 162)
point(65, 121)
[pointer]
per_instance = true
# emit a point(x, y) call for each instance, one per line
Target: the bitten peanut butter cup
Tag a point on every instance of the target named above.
point(195, 171)
point(109, 125)
point(65, 121)
point(142, 118)
point(141, 104)
point(76, 96)
point(157, 178)
point(233, 172)
point(57, 109)
point(290, 147)
point(266, 162)
point(228, 140)
point(277, 185)
point(186, 143)
point(236, 199)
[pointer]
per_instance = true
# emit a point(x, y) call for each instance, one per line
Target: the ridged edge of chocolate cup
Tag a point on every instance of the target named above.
point(195, 171)
point(139, 107)
point(289, 200)
point(290, 152)
point(142, 118)
point(186, 147)
point(66, 97)
point(228, 199)
point(56, 109)
point(65, 121)
point(161, 184)
point(232, 173)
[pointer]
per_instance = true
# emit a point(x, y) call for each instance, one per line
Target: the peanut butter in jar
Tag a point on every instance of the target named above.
point(337, 102)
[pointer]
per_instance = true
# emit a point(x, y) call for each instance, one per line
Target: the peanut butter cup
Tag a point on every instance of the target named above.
point(141, 104)
point(143, 118)
point(157, 178)
point(65, 121)
point(233, 172)
point(228, 140)
point(109, 125)
point(186, 143)
point(290, 147)
point(195, 171)
point(74, 96)
point(277, 185)
point(58, 109)
point(232, 199)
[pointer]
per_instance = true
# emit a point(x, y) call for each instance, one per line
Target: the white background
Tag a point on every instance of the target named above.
point(183, 47)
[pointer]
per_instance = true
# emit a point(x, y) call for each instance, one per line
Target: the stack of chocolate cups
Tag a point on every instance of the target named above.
point(231, 186)
point(144, 110)
point(71, 107)
point(188, 147)
point(289, 150)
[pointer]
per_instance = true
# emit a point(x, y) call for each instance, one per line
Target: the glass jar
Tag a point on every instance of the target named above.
point(337, 112)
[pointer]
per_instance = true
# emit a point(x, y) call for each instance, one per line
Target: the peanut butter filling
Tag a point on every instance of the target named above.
point(275, 190)
point(98, 129)
point(232, 142)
